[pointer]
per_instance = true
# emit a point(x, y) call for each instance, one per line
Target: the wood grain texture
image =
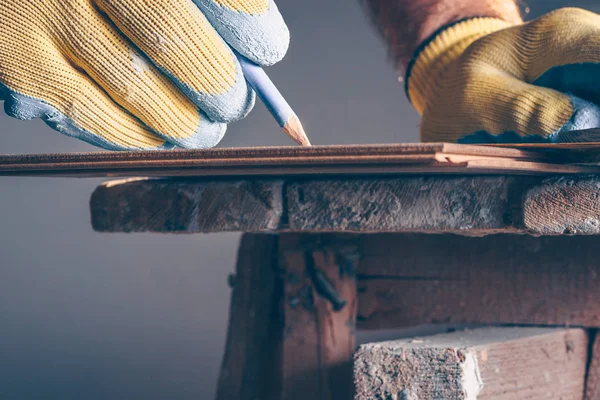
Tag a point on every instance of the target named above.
point(490, 363)
point(320, 303)
point(564, 206)
point(420, 158)
point(191, 206)
point(220, 156)
point(254, 335)
point(475, 205)
point(481, 204)
point(412, 279)
point(292, 320)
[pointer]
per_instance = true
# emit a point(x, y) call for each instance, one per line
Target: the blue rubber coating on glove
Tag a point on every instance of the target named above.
point(23, 107)
point(263, 39)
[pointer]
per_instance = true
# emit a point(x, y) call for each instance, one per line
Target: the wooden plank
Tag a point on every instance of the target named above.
point(254, 337)
point(490, 363)
point(457, 204)
point(320, 315)
point(284, 161)
point(261, 153)
point(409, 280)
point(469, 205)
point(311, 169)
point(475, 205)
point(174, 206)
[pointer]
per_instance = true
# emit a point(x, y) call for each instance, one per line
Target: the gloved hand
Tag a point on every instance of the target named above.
point(483, 80)
point(133, 74)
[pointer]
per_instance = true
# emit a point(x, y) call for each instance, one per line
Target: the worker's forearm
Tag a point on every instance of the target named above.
point(404, 24)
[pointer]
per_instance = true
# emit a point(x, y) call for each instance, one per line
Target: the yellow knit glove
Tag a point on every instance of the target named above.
point(483, 80)
point(135, 74)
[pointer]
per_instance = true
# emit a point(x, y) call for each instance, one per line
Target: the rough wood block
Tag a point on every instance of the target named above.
point(479, 204)
point(564, 206)
point(160, 205)
point(320, 317)
point(492, 363)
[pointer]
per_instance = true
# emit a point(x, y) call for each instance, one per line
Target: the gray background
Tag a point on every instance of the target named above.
point(85, 315)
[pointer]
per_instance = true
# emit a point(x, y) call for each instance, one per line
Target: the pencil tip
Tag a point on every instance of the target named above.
point(293, 128)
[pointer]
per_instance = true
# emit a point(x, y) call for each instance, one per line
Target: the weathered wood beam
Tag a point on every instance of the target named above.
point(175, 206)
point(408, 280)
point(490, 363)
point(475, 205)
point(481, 204)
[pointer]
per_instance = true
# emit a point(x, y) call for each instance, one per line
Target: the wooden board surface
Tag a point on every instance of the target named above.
point(489, 363)
point(414, 158)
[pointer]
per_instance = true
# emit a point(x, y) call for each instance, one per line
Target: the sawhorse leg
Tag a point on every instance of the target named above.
point(292, 320)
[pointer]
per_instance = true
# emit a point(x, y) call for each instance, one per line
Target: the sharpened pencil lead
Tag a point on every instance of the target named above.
point(293, 128)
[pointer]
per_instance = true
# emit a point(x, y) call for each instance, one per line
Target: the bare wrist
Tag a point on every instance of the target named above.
point(446, 12)
point(405, 24)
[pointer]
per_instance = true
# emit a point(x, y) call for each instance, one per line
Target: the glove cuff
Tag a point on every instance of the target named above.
point(435, 54)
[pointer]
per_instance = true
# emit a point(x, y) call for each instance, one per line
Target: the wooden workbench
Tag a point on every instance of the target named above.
point(323, 257)
point(340, 238)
